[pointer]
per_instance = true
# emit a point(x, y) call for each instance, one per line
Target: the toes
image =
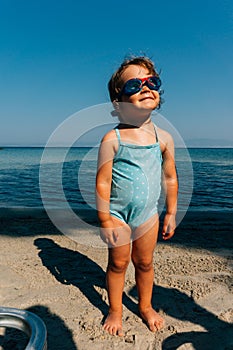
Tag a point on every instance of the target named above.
point(152, 327)
point(120, 332)
point(154, 322)
point(106, 328)
point(159, 324)
point(155, 326)
point(113, 330)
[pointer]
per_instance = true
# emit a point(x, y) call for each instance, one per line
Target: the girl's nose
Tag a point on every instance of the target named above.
point(145, 88)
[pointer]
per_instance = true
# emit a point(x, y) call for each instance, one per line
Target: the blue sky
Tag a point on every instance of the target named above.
point(57, 56)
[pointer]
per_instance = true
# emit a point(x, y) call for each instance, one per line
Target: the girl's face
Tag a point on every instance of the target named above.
point(145, 99)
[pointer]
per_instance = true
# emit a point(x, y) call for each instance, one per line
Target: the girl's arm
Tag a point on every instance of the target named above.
point(170, 182)
point(103, 187)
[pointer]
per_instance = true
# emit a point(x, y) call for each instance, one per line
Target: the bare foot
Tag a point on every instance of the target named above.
point(154, 321)
point(113, 323)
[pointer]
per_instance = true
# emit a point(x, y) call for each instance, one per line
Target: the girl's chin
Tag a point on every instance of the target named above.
point(148, 103)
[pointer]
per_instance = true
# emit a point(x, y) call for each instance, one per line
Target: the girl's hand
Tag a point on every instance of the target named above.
point(169, 226)
point(109, 233)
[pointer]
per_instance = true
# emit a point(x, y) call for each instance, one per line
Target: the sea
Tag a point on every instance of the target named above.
point(35, 177)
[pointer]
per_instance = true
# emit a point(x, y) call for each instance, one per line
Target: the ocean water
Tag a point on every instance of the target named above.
point(57, 178)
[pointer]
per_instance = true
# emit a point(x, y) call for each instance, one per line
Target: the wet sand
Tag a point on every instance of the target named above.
point(63, 282)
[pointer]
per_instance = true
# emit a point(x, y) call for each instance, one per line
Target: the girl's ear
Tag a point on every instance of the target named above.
point(116, 106)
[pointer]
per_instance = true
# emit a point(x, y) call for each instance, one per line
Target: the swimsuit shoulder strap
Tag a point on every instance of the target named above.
point(118, 135)
point(156, 134)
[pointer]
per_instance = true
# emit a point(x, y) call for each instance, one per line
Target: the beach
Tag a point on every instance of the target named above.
point(63, 281)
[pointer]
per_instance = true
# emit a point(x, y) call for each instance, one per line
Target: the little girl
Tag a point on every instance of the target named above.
point(133, 158)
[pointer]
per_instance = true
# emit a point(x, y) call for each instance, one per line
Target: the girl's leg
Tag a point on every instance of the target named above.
point(142, 257)
point(118, 260)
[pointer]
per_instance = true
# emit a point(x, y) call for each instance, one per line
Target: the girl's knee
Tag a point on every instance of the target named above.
point(118, 266)
point(143, 265)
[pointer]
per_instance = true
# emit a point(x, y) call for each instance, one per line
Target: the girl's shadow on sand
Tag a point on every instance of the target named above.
point(75, 268)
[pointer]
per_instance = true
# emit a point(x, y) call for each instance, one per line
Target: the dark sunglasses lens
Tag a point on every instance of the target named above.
point(154, 83)
point(132, 86)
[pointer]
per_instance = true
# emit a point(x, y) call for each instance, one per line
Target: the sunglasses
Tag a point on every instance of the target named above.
point(135, 85)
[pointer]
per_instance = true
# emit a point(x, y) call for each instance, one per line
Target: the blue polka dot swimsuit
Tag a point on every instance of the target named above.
point(136, 182)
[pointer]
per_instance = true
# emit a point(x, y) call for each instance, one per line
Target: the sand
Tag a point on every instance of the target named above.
point(63, 282)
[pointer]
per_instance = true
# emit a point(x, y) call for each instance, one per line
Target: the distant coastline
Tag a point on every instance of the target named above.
point(91, 146)
point(189, 143)
point(208, 143)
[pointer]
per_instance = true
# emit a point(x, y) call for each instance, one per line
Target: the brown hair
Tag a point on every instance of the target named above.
point(115, 84)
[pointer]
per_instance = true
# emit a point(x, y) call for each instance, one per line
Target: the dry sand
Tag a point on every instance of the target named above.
point(63, 282)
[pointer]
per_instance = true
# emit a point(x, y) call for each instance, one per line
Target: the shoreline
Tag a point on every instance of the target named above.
point(204, 228)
